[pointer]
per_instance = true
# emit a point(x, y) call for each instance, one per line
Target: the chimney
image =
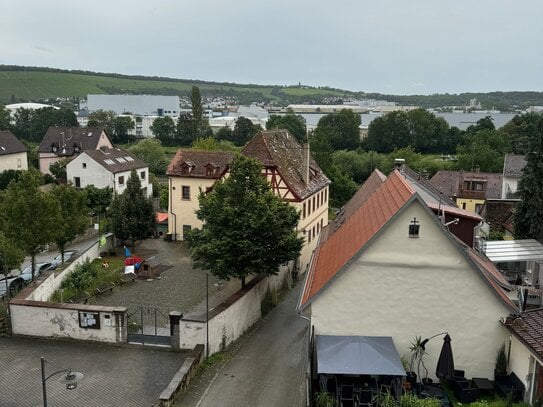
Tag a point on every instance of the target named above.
point(398, 163)
point(305, 162)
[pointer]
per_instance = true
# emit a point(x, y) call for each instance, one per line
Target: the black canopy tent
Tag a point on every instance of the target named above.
point(358, 355)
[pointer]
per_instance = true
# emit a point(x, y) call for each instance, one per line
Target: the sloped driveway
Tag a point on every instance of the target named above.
point(268, 369)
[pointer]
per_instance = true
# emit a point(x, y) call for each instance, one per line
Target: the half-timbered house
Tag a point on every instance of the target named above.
point(293, 175)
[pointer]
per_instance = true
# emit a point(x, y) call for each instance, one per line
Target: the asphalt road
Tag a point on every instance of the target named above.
point(268, 370)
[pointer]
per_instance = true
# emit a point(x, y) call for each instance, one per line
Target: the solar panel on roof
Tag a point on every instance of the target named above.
point(109, 161)
point(127, 158)
point(120, 159)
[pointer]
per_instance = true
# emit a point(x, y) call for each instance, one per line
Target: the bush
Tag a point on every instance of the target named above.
point(89, 278)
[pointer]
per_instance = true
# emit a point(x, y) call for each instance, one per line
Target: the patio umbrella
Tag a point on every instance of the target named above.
point(445, 363)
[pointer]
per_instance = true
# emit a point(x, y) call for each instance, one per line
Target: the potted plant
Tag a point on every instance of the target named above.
point(417, 355)
point(501, 362)
point(324, 399)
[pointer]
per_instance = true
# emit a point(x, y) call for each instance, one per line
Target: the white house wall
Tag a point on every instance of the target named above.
point(521, 362)
point(93, 174)
point(17, 161)
point(406, 287)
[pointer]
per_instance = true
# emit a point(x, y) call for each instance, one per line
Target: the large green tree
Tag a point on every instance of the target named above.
point(529, 211)
point(521, 129)
point(186, 130)
point(29, 216)
point(419, 129)
point(11, 256)
point(246, 228)
point(484, 149)
point(31, 125)
point(342, 130)
point(164, 130)
point(98, 199)
point(196, 103)
point(150, 151)
point(122, 129)
point(103, 119)
point(294, 123)
point(131, 213)
point(244, 130)
point(5, 119)
point(74, 213)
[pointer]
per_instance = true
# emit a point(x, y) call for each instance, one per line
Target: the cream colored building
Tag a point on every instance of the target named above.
point(392, 268)
point(292, 173)
point(190, 172)
point(13, 153)
point(67, 142)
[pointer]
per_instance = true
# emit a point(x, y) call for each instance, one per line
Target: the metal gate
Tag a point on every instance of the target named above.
point(148, 325)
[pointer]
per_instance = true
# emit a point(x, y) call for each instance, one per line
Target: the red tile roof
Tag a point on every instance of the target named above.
point(528, 327)
point(279, 149)
point(449, 182)
point(332, 255)
point(373, 182)
point(197, 162)
point(342, 244)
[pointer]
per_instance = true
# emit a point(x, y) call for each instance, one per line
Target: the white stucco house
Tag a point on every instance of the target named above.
point(525, 346)
point(13, 153)
point(107, 167)
point(392, 268)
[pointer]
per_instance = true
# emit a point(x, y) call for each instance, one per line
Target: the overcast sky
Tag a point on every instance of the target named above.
point(386, 46)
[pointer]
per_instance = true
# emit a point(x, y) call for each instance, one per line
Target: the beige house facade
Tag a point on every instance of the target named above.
point(292, 173)
point(393, 269)
point(13, 153)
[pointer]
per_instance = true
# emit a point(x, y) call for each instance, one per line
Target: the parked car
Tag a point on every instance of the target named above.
point(14, 285)
point(26, 274)
point(68, 255)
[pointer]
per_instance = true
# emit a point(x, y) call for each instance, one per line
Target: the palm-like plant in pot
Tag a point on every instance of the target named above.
point(417, 359)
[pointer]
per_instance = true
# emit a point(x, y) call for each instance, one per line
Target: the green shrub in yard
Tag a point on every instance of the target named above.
point(88, 279)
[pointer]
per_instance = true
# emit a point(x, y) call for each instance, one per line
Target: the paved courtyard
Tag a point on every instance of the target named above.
point(114, 376)
point(180, 287)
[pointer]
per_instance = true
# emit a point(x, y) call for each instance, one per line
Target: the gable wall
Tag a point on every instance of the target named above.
point(405, 287)
point(93, 174)
point(16, 161)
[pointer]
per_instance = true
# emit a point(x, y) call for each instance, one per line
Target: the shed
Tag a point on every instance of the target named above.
point(149, 268)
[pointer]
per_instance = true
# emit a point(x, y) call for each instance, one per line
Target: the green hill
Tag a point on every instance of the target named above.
point(22, 84)
point(33, 84)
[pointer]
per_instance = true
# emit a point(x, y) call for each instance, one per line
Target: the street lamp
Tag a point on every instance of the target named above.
point(207, 315)
point(70, 379)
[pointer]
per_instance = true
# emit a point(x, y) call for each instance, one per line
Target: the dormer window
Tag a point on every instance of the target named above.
point(77, 150)
point(187, 168)
point(54, 148)
point(211, 170)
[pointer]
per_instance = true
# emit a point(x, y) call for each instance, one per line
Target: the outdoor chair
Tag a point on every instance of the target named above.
point(506, 384)
point(347, 395)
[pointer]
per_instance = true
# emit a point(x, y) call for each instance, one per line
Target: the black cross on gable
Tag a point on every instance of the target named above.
point(414, 228)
